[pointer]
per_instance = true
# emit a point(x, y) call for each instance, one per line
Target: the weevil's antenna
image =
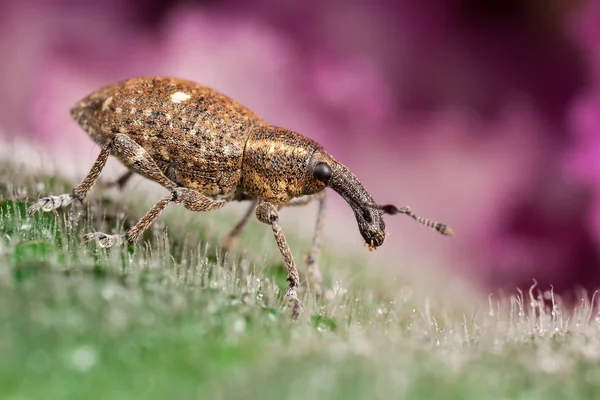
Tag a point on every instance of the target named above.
point(392, 210)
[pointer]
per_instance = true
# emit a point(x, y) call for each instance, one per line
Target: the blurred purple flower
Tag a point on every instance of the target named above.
point(583, 161)
point(456, 108)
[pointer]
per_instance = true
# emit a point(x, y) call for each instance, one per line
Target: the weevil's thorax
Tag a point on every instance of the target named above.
point(275, 165)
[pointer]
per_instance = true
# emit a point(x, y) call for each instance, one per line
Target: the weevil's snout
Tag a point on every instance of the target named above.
point(335, 175)
point(371, 226)
point(369, 215)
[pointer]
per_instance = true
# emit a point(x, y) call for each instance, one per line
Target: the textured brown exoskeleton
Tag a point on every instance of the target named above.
point(207, 150)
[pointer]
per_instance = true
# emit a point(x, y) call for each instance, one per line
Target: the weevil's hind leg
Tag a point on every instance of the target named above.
point(231, 240)
point(136, 157)
point(105, 240)
point(192, 200)
point(267, 213)
point(80, 191)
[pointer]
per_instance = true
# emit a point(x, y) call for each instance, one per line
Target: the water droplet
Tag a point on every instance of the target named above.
point(239, 325)
point(83, 358)
point(108, 292)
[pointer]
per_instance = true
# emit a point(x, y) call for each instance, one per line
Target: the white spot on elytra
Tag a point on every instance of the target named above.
point(178, 97)
point(227, 150)
point(107, 103)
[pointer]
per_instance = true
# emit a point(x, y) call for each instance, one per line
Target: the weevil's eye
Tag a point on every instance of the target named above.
point(322, 172)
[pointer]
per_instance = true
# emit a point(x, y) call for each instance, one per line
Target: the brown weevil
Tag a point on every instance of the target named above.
point(208, 150)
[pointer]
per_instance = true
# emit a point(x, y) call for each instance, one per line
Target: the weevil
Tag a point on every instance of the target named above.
point(207, 150)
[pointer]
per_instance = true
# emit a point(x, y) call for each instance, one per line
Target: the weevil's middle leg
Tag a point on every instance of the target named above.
point(80, 191)
point(232, 237)
point(267, 213)
point(120, 182)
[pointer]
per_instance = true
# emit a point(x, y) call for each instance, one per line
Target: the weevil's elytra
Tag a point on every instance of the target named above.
point(183, 126)
point(208, 150)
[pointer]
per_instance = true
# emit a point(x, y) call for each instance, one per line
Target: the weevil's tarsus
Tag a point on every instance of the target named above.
point(267, 214)
point(104, 240)
point(50, 203)
point(392, 210)
point(79, 192)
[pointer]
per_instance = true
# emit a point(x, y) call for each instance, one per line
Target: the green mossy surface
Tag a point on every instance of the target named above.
point(167, 319)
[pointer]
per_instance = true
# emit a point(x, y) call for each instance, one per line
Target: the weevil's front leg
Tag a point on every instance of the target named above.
point(192, 200)
point(267, 213)
point(231, 240)
point(232, 237)
point(80, 191)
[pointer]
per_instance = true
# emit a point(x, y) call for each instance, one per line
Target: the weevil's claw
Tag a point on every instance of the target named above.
point(103, 239)
point(293, 302)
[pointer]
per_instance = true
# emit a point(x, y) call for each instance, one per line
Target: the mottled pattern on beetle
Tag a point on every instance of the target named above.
point(275, 165)
point(196, 135)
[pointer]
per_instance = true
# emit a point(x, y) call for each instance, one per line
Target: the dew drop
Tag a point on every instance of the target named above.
point(83, 358)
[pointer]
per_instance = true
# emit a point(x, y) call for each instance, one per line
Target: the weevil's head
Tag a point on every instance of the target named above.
point(324, 170)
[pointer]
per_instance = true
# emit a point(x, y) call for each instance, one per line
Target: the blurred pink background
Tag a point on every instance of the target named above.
point(485, 115)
